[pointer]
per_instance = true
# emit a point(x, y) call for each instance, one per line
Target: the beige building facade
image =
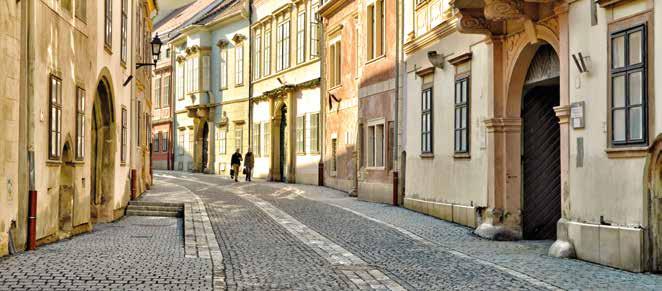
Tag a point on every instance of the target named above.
point(73, 57)
point(285, 100)
point(519, 125)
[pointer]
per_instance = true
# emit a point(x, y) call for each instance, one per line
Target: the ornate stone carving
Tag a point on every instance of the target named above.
point(498, 10)
point(472, 24)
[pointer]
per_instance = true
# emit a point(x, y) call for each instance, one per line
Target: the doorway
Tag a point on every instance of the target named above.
point(102, 150)
point(205, 147)
point(66, 193)
point(282, 145)
point(541, 147)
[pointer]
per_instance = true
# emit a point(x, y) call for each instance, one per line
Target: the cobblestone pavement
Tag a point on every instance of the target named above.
point(135, 253)
point(268, 233)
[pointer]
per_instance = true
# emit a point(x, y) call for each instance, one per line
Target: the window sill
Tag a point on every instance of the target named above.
point(375, 168)
point(426, 156)
point(53, 163)
point(376, 59)
point(462, 156)
point(334, 87)
point(626, 153)
point(122, 164)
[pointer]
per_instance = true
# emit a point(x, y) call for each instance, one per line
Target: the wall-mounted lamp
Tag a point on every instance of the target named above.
point(156, 53)
point(580, 63)
point(436, 59)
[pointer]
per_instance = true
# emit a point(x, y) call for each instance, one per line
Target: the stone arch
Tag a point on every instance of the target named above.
point(103, 147)
point(518, 68)
point(653, 199)
point(66, 191)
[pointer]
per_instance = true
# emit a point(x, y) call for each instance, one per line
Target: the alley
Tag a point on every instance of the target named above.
point(284, 236)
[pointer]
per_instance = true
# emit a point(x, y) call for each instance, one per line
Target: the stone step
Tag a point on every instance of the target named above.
point(153, 203)
point(130, 212)
point(156, 208)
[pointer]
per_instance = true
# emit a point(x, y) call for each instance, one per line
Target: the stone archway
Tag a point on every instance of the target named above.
point(102, 151)
point(653, 196)
point(279, 160)
point(66, 193)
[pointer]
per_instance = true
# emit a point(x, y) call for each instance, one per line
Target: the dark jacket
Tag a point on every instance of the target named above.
point(249, 162)
point(236, 159)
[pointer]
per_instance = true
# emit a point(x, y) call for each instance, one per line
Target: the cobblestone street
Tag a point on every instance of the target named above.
point(274, 236)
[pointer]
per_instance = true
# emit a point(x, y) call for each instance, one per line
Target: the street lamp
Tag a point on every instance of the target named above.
point(156, 52)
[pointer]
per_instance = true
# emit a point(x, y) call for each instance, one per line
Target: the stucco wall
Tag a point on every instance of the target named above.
point(10, 40)
point(444, 178)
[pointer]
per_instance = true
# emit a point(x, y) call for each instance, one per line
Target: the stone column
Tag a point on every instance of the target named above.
point(291, 138)
point(272, 151)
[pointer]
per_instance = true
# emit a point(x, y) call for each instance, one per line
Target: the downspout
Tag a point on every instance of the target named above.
point(32, 191)
point(323, 95)
point(250, 76)
point(173, 105)
point(398, 58)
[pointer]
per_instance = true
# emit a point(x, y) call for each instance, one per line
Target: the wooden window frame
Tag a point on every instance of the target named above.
point(239, 64)
point(283, 45)
point(266, 58)
point(108, 24)
point(373, 152)
point(427, 91)
point(315, 132)
point(54, 122)
point(124, 26)
point(223, 140)
point(256, 147)
point(301, 134)
point(157, 143)
point(165, 142)
point(314, 31)
point(165, 101)
point(301, 37)
point(267, 139)
point(459, 106)
point(80, 123)
point(638, 22)
point(223, 62)
point(238, 138)
point(257, 70)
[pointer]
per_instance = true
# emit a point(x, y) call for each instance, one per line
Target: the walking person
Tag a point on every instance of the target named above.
point(235, 162)
point(249, 163)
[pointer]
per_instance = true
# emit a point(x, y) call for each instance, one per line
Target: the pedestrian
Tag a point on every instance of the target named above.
point(249, 163)
point(235, 162)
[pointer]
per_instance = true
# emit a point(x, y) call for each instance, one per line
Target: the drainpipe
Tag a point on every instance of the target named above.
point(323, 96)
point(32, 191)
point(250, 75)
point(398, 58)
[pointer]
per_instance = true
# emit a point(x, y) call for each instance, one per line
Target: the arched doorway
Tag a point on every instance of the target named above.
point(540, 156)
point(102, 149)
point(66, 193)
point(653, 192)
point(205, 147)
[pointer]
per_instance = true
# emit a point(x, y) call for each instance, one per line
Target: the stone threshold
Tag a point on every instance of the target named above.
point(200, 240)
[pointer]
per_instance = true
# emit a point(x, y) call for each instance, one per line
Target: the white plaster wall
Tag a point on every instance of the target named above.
point(445, 178)
point(604, 186)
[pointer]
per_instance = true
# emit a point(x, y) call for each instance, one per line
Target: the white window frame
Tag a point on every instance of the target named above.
point(375, 123)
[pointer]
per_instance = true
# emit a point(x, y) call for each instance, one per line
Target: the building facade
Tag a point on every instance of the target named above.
point(73, 143)
point(285, 99)
point(519, 125)
point(341, 26)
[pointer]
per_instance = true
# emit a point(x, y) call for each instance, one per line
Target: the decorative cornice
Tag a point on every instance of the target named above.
point(438, 32)
point(282, 90)
point(425, 72)
point(237, 38)
point(331, 7)
point(462, 58)
point(607, 3)
point(503, 124)
point(221, 43)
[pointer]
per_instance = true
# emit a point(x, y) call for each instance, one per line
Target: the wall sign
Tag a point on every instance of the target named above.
point(577, 114)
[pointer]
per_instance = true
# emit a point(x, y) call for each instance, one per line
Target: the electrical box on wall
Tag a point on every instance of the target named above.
point(577, 115)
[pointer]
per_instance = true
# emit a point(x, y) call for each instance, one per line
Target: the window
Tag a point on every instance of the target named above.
point(124, 136)
point(80, 123)
point(375, 145)
point(191, 141)
point(239, 64)
point(283, 46)
point(81, 10)
point(335, 64)
point(138, 113)
point(222, 141)
point(108, 16)
point(257, 53)
point(205, 73)
point(165, 101)
point(426, 120)
point(157, 93)
point(239, 138)
point(180, 142)
point(55, 118)
point(123, 31)
point(375, 24)
point(267, 53)
point(148, 131)
point(224, 68)
point(462, 115)
point(267, 139)
point(164, 142)
point(314, 32)
point(192, 75)
point(629, 87)
point(180, 81)
point(301, 145)
point(256, 139)
point(156, 142)
point(314, 133)
point(301, 37)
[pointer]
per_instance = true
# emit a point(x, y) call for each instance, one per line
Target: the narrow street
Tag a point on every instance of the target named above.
point(275, 236)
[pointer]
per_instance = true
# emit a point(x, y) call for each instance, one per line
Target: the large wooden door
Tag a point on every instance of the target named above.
point(205, 147)
point(282, 144)
point(541, 164)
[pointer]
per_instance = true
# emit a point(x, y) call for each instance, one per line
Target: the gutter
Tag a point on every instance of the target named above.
point(32, 191)
point(250, 75)
point(398, 59)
